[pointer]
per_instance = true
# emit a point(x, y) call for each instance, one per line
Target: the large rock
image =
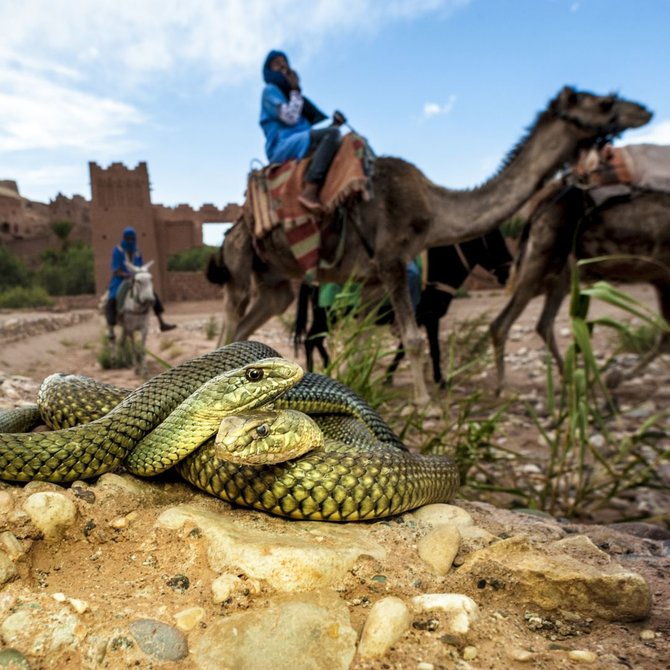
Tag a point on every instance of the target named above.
point(310, 631)
point(298, 556)
point(571, 574)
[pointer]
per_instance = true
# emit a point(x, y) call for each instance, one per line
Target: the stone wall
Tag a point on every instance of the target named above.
point(190, 286)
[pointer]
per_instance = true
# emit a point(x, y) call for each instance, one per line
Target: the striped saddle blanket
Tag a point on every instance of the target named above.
point(272, 197)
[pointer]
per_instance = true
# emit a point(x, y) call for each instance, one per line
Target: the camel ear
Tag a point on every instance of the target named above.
point(567, 97)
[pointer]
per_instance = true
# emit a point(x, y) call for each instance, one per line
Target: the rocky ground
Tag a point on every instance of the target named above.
point(124, 573)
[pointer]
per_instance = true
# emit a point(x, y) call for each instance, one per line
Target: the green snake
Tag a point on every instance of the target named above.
point(356, 468)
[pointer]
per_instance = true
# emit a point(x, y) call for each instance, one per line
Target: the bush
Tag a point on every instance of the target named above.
point(191, 260)
point(67, 272)
point(20, 296)
point(12, 271)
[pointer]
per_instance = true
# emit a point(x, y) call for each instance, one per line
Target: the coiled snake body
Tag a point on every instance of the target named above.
point(361, 471)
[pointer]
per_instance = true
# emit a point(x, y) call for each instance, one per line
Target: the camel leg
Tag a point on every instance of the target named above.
point(266, 303)
point(236, 295)
point(394, 278)
point(502, 324)
point(545, 324)
point(390, 370)
point(432, 327)
point(662, 343)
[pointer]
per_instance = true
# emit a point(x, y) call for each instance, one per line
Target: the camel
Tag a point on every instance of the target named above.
point(630, 238)
point(408, 214)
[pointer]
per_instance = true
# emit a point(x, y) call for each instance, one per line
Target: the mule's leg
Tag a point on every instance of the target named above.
point(393, 275)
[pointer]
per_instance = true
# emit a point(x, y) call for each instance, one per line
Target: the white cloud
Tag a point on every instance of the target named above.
point(431, 109)
point(221, 41)
point(41, 114)
point(67, 68)
point(657, 133)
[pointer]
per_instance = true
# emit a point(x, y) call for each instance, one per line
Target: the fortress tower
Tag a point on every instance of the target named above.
point(119, 198)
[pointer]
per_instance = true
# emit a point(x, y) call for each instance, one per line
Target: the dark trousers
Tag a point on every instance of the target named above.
point(323, 146)
point(112, 315)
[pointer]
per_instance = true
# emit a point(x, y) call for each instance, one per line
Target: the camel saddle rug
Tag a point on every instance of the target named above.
point(272, 198)
point(610, 171)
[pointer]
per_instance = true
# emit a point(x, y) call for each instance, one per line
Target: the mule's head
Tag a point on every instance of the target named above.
point(599, 116)
point(142, 290)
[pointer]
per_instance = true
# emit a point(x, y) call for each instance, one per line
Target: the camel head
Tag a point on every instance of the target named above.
point(598, 116)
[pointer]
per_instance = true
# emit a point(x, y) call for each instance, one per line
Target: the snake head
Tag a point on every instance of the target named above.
point(266, 436)
point(244, 388)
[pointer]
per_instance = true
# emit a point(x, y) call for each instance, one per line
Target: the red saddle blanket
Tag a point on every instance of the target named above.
point(272, 198)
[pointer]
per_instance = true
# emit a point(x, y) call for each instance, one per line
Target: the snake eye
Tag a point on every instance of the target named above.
point(254, 374)
point(262, 430)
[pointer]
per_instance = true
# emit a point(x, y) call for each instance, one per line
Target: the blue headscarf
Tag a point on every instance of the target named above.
point(309, 110)
point(274, 77)
point(129, 240)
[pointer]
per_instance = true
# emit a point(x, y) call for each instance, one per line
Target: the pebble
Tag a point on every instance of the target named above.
point(11, 544)
point(159, 640)
point(189, 618)
point(388, 620)
point(52, 513)
point(469, 653)
point(521, 655)
point(582, 656)
point(12, 659)
point(647, 635)
point(224, 586)
point(439, 548)
point(462, 611)
point(7, 569)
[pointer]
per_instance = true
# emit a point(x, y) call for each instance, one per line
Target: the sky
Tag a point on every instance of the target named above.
point(448, 85)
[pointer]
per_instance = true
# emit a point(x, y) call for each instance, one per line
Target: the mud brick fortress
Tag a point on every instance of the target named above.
point(120, 197)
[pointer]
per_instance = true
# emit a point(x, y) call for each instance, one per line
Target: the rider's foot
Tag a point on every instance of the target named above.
point(167, 326)
point(309, 198)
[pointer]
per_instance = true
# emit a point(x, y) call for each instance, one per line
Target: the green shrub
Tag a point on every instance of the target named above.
point(18, 297)
point(67, 272)
point(190, 260)
point(13, 272)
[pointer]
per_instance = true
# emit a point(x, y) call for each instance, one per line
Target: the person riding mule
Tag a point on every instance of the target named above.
point(125, 257)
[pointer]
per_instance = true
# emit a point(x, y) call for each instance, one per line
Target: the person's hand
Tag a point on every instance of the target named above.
point(293, 80)
point(339, 118)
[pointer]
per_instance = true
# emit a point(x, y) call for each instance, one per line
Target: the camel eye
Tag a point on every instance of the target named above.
point(606, 105)
point(262, 430)
point(254, 374)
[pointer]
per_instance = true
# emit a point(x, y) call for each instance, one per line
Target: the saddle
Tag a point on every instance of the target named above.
point(272, 199)
point(611, 172)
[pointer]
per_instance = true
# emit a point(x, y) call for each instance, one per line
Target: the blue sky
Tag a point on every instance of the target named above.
point(449, 85)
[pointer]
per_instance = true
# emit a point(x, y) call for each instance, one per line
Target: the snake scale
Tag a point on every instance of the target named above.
point(361, 471)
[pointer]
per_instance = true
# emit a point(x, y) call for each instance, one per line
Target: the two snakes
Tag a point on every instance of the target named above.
point(240, 423)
